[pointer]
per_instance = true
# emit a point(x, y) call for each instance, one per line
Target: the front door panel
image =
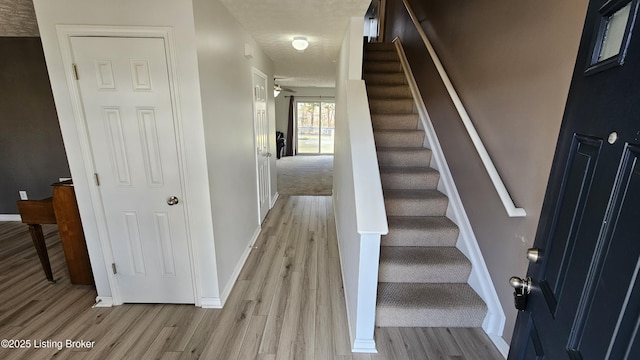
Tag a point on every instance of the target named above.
point(585, 299)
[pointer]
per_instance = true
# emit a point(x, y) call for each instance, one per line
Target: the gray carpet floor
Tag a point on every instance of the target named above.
point(305, 175)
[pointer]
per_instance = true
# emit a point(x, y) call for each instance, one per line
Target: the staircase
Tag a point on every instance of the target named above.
point(423, 276)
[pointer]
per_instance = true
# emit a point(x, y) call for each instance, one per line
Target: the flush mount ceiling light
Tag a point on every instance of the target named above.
point(300, 43)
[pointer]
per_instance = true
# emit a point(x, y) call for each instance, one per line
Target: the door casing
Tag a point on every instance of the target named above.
point(65, 33)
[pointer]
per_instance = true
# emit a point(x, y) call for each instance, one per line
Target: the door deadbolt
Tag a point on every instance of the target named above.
point(533, 255)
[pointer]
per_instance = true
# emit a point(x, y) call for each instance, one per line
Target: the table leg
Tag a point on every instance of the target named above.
point(41, 247)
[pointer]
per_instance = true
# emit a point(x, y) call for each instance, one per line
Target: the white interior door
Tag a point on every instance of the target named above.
point(125, 93)
point(261, 126)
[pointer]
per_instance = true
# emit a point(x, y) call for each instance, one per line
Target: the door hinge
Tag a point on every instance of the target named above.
point(113, 267)
point(75, 72)
point(97, 178)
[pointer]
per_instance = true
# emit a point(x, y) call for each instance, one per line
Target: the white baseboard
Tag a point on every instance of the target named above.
point(10, 217)
point(364, 346)
point(210, 303)
point(274, 199)
point(103, 301)
point(236, 271)
point(480, 279)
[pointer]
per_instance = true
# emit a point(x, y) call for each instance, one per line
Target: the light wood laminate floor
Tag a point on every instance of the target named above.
point(288, 303)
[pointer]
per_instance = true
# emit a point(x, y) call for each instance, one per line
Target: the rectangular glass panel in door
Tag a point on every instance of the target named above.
point(328, 116)
point(316, 125)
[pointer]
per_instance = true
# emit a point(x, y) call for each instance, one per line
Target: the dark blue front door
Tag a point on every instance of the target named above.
point(585, 294)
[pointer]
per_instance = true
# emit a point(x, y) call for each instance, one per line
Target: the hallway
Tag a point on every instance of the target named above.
point(288, 303)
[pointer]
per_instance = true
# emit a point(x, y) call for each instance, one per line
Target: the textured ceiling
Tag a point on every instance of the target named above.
point(274, 23)
point(17, 18)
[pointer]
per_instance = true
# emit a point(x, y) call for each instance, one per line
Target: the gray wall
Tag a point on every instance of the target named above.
point(32, 155)
point(511, 63)
point(227, 108)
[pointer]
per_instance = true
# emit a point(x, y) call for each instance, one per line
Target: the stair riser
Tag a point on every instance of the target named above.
point(400, 122)
point(428, 305)
point(429, 317)
point(447, 273)
point(381, 55)
point(411, 237)
point(416, 207)
point(401, 158)
point(384, 79)
point(427, 181)
point(399, 139)
point(379, 46)
point(398, 106)
point(389, 92)
point(382, 66)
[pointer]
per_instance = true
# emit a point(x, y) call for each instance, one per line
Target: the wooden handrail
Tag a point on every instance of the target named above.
point(506, 199)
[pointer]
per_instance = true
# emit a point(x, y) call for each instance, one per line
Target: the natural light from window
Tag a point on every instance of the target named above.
point(315, 126)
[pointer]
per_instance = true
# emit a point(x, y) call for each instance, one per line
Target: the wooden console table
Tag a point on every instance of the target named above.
point(61, 209)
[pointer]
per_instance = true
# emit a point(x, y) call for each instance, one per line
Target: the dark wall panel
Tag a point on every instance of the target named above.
point(32, 155)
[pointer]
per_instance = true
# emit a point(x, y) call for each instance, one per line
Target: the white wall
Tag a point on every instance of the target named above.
point(216, 123)
point(343, 192)
point(178, 15)
point(227, 106)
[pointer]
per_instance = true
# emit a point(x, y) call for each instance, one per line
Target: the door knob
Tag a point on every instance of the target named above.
point(522, 289)
point(533, 255)
point(268, 154)
point(173, 200)
point(522, 285)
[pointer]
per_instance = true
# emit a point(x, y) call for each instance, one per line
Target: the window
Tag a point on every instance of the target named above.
point(315, 126)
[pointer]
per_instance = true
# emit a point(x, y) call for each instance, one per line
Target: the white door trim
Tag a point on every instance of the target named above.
point(256, 71)
point(65, 33)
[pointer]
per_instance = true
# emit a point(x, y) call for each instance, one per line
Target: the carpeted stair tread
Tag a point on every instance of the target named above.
point(382, 66)
point(392, 106)
point(420, 231)
point(422, 264)
point(389, 92)
point(379, 46)
point(403, 177)
point(380, 55)
point(391, 78)
point(395, 121)
point(403, 156)
point(398, 138)
point(415, 202)
point(428, 305)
